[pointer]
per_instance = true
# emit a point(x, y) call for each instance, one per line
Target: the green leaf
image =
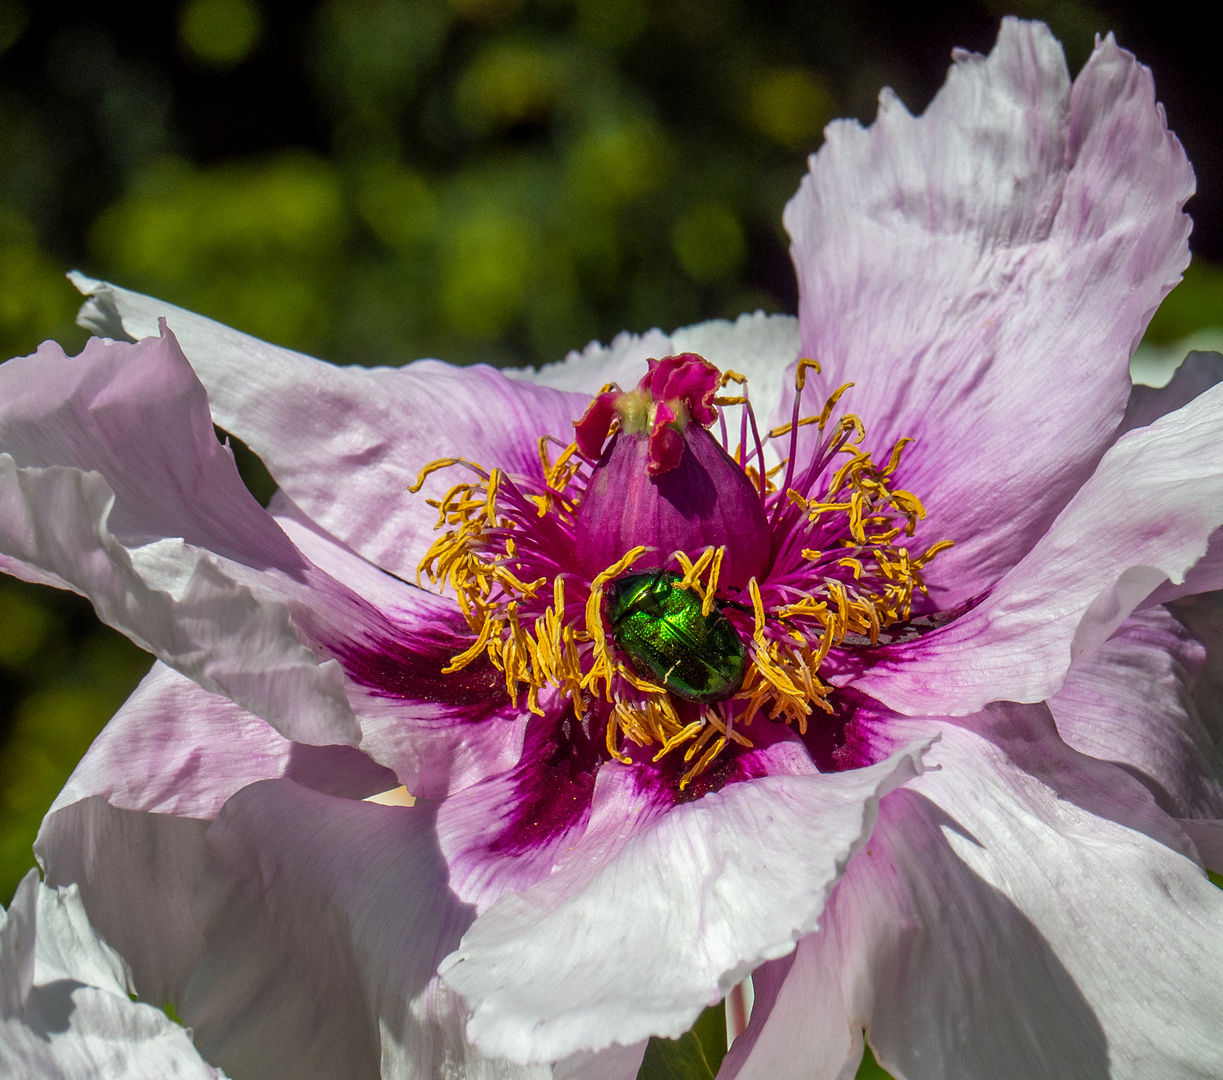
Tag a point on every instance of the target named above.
point(710, 1029)
point(870, 1069)
point(675, 1059)
point(1216, 878)
point(695, 1055)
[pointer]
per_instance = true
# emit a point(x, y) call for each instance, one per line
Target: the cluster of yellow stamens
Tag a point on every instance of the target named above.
point(542, 625)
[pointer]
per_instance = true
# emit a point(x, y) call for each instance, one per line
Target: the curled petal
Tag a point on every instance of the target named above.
point(563, 966)
point(113, 484)
point(982, 274)
point(64, 1005)
point(1130, 702)
point(345, 443)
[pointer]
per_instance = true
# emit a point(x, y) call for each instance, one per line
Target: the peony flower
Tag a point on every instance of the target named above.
point(65, 1010)
point(835, 651)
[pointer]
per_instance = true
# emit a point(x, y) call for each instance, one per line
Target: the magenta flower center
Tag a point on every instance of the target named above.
point(804, 571)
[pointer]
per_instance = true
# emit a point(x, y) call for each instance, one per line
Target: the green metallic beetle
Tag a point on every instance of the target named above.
point(661, 629)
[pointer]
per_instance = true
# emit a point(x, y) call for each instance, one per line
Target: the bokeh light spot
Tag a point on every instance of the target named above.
point(791, 106)
point(14, 18)
point(220, 33)
point(507, 84)
point(708, 241)
point(617, 162)
point(397, 205)
point(254, 245)
point(486, 275)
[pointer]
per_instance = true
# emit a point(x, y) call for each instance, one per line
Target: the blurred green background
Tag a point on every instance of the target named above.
point(373, 181)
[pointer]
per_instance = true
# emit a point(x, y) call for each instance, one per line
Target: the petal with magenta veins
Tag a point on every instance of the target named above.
point(114, 485)
point(563, 966)
point(118, 488)
point(953, 265)
point(1083, 578)
point(346, 442)
point(509, 831)
point(394, 643)
point(320, 961)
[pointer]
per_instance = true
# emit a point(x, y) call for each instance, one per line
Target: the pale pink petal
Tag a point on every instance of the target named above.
point(64, 1008)
point(345, 442)
point(116, 486)
point(1203, 616)
point(995, 926)
point(113, 484)
point(615, 1063)
point(1136, 927)
point(1197, 373)
point(639, 929)
point(144, 880)
point(1130, 702)
point(174, 748)
point(983, 273)
point(320, 962)
point(427, 726)
point(1144, 517)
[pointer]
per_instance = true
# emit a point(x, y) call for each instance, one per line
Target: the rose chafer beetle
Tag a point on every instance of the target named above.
point(666, 637)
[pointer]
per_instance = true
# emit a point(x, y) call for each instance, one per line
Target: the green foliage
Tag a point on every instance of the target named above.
point(219, 33)
point(257, 245)
point(695, 1055)
point(870, 1069)
point(1195, 304)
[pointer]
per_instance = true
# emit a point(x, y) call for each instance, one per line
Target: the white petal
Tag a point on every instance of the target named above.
point(144, 880)
point(320, 961)
point(638, 930)
point(64, 1009)
point(994, 926)
point(759, 346)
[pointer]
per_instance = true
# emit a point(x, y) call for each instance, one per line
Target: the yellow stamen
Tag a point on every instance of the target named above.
point(861, 584)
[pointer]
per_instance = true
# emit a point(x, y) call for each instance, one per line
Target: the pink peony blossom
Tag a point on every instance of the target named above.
point(960, 799)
